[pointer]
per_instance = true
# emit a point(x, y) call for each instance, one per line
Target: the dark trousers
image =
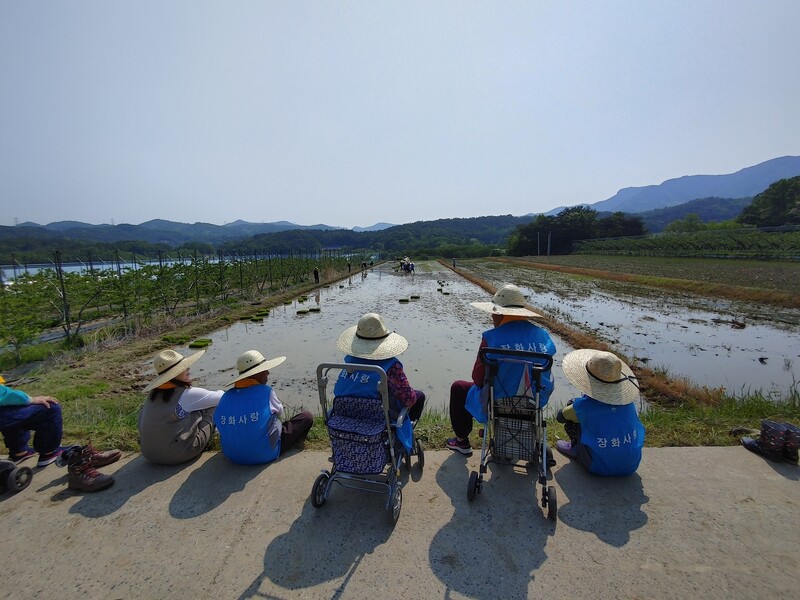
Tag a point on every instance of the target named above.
point(573, 430)
point(295, 429)
point(415, 412)
point(17, 422)
point(460, 417)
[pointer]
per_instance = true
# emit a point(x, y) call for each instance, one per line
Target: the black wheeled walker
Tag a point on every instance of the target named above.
point(516, 429)
point(14, 478)
point(366, 452)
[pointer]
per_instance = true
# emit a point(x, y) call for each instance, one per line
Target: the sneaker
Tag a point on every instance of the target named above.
point(49, 457)
point(101, 459)
point(18, 458)
point(461, 446)
point(565, 448)
point(85, 478)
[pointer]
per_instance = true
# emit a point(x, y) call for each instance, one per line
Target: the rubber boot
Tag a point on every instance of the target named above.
point(791, 444)
point(84, 477)
point(770, 443)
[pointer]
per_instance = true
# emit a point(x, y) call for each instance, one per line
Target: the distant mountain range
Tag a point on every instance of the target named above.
point(745, 183)
point(716, 197)
point(160, 230)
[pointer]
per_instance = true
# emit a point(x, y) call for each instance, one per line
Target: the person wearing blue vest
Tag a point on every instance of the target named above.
point(371, 342)
point(248, 415)
point(606, 435)
point(512, 330)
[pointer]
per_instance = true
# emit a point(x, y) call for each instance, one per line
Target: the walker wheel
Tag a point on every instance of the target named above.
point(19, 479)
point(395, 504)
point(318, 495)
point(472, 486)
point(420, 452)
point(552, 504)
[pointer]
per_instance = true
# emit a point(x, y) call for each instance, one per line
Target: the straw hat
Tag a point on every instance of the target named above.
point(601, 375)
point(371, 339)
point(169, 364)
point(508, 300)
point(253, 362)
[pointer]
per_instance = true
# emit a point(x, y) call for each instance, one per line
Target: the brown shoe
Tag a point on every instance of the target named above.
point(101, 459)
point(84, 477)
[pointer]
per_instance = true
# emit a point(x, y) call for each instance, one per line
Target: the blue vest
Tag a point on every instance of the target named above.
point(613, 434)
point(249, 432)
point(364, 384)
point(514, 335)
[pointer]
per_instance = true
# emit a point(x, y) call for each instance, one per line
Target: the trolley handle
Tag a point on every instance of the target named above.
point(538, 360)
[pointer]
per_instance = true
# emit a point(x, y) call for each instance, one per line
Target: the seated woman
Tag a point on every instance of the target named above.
point(606, 435)
point(249, 416)
point(176, 421)
point(371, 342)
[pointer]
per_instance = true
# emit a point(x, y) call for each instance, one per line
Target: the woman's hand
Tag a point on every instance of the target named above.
point(46, 400)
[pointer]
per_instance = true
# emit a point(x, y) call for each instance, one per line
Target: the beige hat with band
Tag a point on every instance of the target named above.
point(169, 364)
point(508, 300)
point(253, 362)
point(371, 339)
point(601, 375)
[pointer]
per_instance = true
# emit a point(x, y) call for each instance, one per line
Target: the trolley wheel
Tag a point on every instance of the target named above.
point(395, 504)
point(19, 478)
point(318, 496)
point(552, 504)
point(472, 486)
point(420, 453)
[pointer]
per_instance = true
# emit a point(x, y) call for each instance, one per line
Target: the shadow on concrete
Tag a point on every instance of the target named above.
point(324, 544)
point(504, 523)
point(131, 479)
point(210, 485)
point(609, 507)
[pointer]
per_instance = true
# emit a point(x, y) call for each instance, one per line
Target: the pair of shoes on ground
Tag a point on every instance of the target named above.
point(461, 446)
point(82, 463)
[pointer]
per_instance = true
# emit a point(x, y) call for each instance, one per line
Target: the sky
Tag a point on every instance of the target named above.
point(354, 113)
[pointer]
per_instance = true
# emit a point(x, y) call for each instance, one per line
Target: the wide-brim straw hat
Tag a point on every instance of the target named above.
point(601, 375)
point(508, 300)
point(169, 364)
point(252, 363)
point(371, 339)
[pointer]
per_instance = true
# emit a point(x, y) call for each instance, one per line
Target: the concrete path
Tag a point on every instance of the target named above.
point(694, 523)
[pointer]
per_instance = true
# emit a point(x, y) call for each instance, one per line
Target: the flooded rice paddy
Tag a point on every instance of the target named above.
point(738, 346)
point(709, 343)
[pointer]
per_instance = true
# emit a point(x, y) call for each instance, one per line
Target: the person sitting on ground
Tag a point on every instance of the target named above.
point(512, 330)
point(21, 413)
point(249, 415)
point(176, 421)
point(606, 435)
point(370, 342)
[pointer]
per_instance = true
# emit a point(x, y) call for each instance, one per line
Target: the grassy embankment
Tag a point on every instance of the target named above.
point(100, 387)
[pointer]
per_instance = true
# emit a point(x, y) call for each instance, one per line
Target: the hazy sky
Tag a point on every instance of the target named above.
point(351, 113)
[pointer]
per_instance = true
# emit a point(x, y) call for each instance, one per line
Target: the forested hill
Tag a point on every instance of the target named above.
point(709, 210)
point(481, 234)
point(418, 237)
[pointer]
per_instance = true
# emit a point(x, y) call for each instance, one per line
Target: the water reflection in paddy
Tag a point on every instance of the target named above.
point(712, 343)
point(443, 331)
